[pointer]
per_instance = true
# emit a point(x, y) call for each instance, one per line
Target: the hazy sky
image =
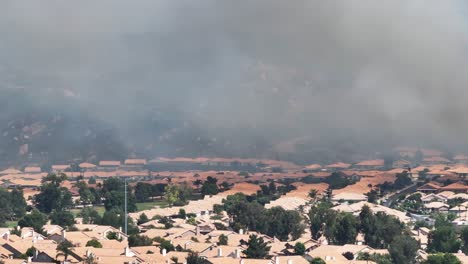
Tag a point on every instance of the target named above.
point(385, 71)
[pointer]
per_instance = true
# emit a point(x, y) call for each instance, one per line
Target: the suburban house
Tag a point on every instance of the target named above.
point(370, 164)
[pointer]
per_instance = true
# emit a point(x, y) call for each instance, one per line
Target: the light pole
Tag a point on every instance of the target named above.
point(125, 205)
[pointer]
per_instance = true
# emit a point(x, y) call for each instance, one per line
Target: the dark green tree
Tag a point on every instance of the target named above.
point(142, 219)
point(194, 258)
point(52, 196)
point(62, 218)
point(446, 258)
point(321, 220)
point(94, 243)
point(317, 261)
point(403, 249)
point(257, 248)
point(139, 241)
point(90, 216)
point(346, 229)
point(210, 186)
point(35, 219)
point(143, 192)
point(299, 248)
point(444, 239)
point(222, 240)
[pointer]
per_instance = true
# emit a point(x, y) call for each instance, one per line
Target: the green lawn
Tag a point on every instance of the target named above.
point(11, 224)
point(99, 209)
point(151, 205)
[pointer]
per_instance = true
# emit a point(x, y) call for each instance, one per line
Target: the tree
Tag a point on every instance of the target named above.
point(446, 258)
point(172, 193)
point(194, 258)
point(403, 249)
point(210, 186)
point(12, 205)
point(313, 194)
point(372, 196)
point(65, 248)
point(299, 248)
point(464, 238)
point(35, 219)
point(317, 261)
point(321, 220)
point(345, 229)
point(113, 218)
point(18, 203)
point(94, 243)
point(142, 219)
point(143, 192)
point(90, 216)
point(139, 241)
point(52, 196)
point(114, 194)
point(164, 244)
point(222, 240)
point(444, 239)
point(256, 248)
point(62, 218)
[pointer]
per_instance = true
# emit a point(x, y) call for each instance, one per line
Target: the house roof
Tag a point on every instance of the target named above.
point(429, 186)
point(436, 205)
point(349, 197)
point(458, 186)
point(86, 165)
point(10, 171)
point(436, 159)
point(60, 167)
point(313, 167)
point(376, 162)
point(135, 162)
point(339, 165)
point(109, 163)
point(32, 169)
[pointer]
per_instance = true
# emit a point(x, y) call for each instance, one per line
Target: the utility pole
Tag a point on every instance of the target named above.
point(126, 216)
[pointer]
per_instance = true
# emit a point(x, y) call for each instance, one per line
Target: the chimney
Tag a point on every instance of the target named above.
point(29, 259)
point(290, 261)
point(164, 252)
point(241, 231)
point(127, 252)
point(64, 234)
point(277, 260)
point(197, 230)
point(88, 253)
point(238, 253)
point(220, 252)
point(241, 261)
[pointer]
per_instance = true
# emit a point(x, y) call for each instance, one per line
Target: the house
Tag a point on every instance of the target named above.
point(109, 165)
point(338, 166)
point(32, 170)
point(435, 160)
point(348, 197)
point(59, 168)
point(457, 187)
point(432, 197)
point(461, 159)
point(429, 188)
point(437, 207)
point(86, 166)
point(370, 164)
point(402, 164)
point(10, 171)
point(312, 168)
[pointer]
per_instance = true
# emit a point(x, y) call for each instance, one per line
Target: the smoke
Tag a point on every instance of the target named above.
point(247, 77)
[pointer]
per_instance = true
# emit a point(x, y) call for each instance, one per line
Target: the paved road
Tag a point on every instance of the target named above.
point(405, 191)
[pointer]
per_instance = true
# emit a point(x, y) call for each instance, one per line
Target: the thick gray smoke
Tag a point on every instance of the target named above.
point(264, 73)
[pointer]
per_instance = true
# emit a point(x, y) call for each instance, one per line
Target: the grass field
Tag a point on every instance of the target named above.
point(150, 205)
point(99, 209)
point(11, 224)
